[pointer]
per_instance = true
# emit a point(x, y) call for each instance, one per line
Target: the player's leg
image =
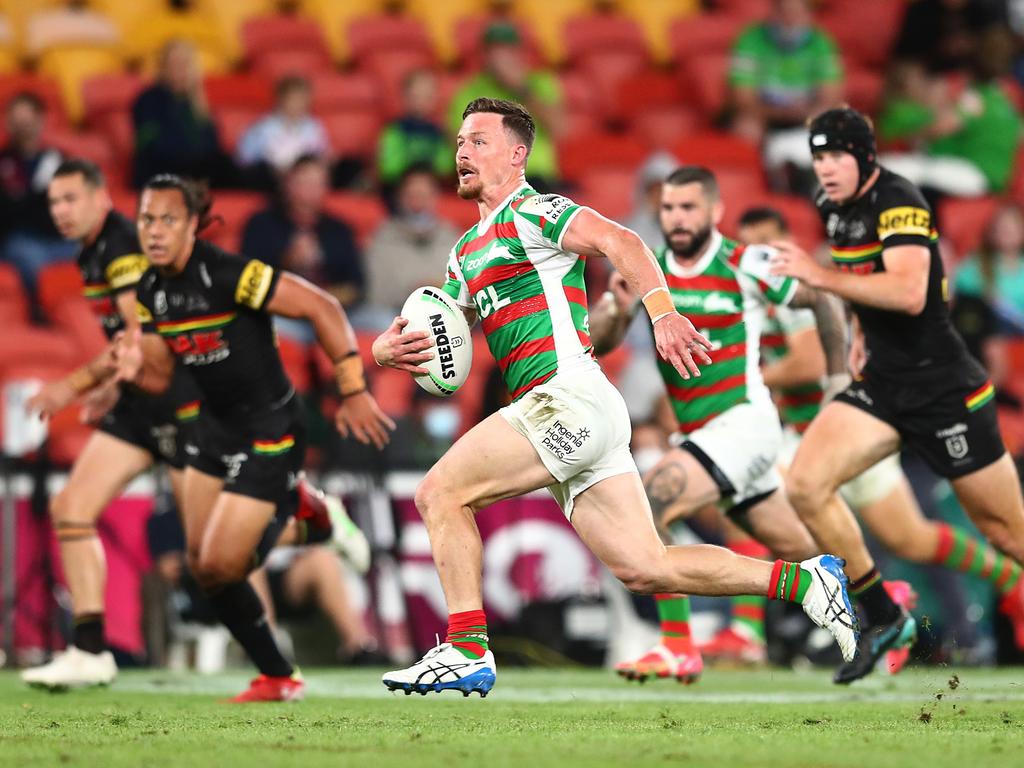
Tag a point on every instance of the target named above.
point(100, 473)
point(815, 476)
point(316, 575)
point(612, 519)
point(491, 462)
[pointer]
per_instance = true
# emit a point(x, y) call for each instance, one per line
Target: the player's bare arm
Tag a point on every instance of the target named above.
point(678, 342)
point(804, 363)
point(358, 415)
point(830, 317)
point(143, 360)
point(612, 314)
point(902, 287)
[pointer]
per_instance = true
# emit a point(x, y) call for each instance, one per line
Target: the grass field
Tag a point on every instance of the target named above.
point(930, 717)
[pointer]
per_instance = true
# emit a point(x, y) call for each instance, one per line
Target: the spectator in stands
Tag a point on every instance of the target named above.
point(996, 271)
point(411, 247)
point(506, 75)
point(73, 21)
point(945, 35)
point(272, 144)
point(174, 132)
point(28, 238)
point(415, 138)
point(964, 146)
point(784, 70)
point(295, 233)
point(644, 218)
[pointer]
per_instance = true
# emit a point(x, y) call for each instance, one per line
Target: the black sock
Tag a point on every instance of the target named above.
point(311, 534)
point(238, 606)
point(870, 594)
point(88, 633)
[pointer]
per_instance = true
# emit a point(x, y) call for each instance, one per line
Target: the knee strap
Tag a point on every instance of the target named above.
point(67, 530)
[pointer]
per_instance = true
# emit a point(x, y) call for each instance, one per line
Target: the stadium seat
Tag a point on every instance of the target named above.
point(235, 208)
point(232, 123)
point(863, 89)
point(75, 318)
point(334, 18)
point(353, 133)
point(442, 19)
point(378, 36)
point(92, 145)
point(60, 27)
point(461, 214)
point(548, 21)
point(864, 31)
point(37, 346)
point(238, 91)
point(9, 61)
point(596, 35)
point(275, 65)
point(104, 94)
point(277, 33)
point(804, 222)
point(707, 75)
point(651, 88)
point(655, 17)
point(150, 35)
point(14, 302)
point(336, 92)
point(741, 188)
point(297, 363)
point(580, 153)
point(56, 284)
point(718, 150)
point(1015, 189)
point(469, 33)
point(703, 34)
point(363, 213)
point(608, 190)
point(70, 67)
point(605, 73)
point(390, 71)
point(963, 220)
point(46, 88)
point(746, 11)
point(663, 127)
point(393, 391)
point(577, 92)
point(230, 16)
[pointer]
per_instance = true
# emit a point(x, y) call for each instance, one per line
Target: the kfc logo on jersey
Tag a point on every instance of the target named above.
point(200, 347)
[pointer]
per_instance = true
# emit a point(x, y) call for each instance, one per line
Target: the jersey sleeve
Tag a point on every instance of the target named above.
point(792, 320)
point(546, 217)
point(754, 261)
point(250, 282)
point(455, 283)
point(903, 217)
point(124, 262)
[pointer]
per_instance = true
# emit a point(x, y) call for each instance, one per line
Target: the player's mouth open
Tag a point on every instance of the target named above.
point(465, 173)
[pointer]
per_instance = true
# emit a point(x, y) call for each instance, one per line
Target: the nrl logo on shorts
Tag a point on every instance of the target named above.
point(956, 446)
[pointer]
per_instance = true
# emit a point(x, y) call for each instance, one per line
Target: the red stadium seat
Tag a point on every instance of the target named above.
point(363, 213)
point(297, 362)
point(865, 32)
point(578, 154)
point(863, 89)
point(353, 133)
point(598, 35)
point(13, 299)
point(104, 94)
point(235, 208)
point(703, 34)
point(232, 123)
point(718, 150)
point(577, 92)
point(605, 74)
point(707, 75)
point(390, 70)
point(91, 145)
point(393, 391)
point(664, 127)
point(245, 91)
point(57, 284)
point(390, 33)
point(37, 346)
point(648, 89)
point(745, 11)
point(275, 65)
point(962, 221)
point(608, 190)
point(75, 317)
point(336, 92)
point(461, 214)
point(278, 32)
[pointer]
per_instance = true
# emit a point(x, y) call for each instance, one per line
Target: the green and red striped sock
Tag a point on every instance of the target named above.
point(748, 610)
point(789, 582)
point(467, 631)
point(674, 616)
point(961, 551)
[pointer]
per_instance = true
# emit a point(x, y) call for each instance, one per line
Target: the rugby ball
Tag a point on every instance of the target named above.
point(434, 311)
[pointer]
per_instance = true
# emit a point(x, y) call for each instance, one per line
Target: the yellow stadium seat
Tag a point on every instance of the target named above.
point(150, 36)
point(655, 17)
point(128, 13)
point(8, 53)
point(334, 17)
point(71, 66)
point(548, 19)
point(230, 15)
point(441, 18)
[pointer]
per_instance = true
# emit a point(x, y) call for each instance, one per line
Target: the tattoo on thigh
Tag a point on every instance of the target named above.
point(664, 486)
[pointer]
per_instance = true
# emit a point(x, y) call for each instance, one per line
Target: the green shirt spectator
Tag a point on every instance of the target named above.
point(506, 76)
point(416, 138)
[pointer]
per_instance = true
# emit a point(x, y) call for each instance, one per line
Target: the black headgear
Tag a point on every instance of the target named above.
point(846, 130)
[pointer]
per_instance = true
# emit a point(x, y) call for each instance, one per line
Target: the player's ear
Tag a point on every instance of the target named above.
point(717, 212)
point(519, 154)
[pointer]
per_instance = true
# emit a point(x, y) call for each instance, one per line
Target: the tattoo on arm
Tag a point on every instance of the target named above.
point(665, 485)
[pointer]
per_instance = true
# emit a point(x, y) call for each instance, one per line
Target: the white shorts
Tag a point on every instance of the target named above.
point(869, 486)
point(743, 445)
point(578, 424)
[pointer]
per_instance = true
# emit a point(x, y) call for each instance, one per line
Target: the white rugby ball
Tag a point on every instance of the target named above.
point(434, 311)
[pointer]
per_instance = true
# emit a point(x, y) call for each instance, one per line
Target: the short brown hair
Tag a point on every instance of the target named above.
point(514, 117)
point(695, 174)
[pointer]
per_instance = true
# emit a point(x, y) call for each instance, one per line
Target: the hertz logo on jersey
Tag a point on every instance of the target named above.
point(904, 220)
point(253, 284)
point(126, 270)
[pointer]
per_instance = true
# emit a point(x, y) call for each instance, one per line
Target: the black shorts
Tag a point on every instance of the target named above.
point(148, 423)
point(950, 420)
point(260, 456)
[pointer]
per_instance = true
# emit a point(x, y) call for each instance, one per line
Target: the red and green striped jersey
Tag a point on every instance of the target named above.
point(724, 294)
point(798, 405)
point(526, 289)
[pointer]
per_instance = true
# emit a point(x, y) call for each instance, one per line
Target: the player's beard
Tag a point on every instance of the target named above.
point(470, 190)
point(698, 241)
